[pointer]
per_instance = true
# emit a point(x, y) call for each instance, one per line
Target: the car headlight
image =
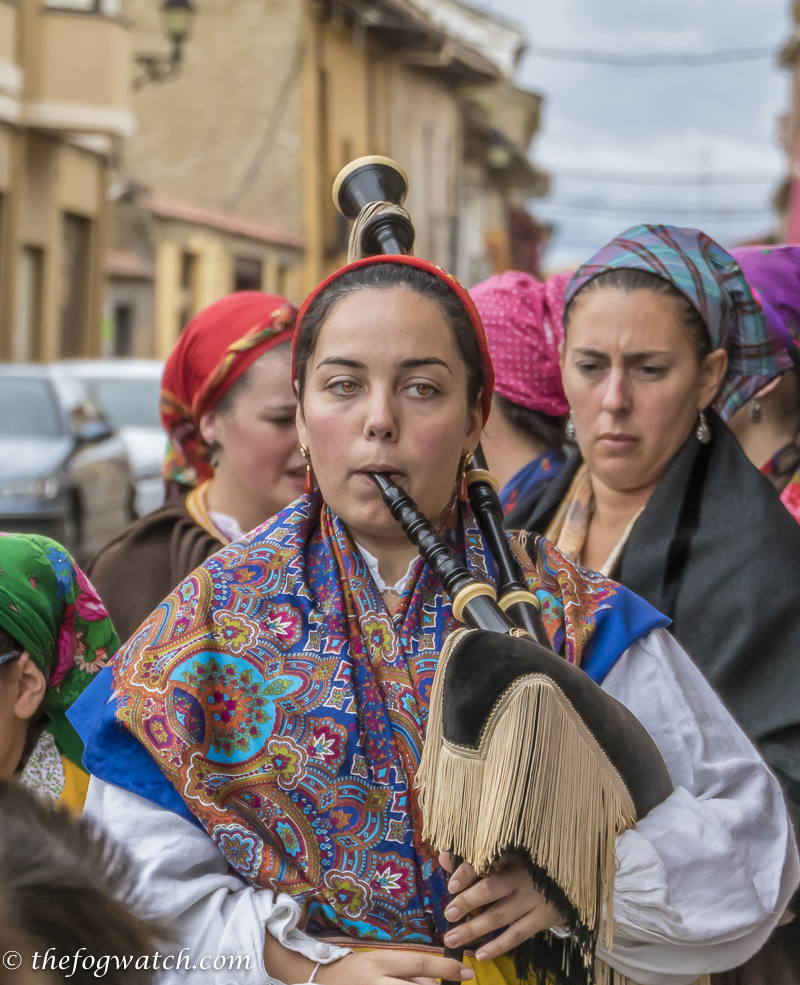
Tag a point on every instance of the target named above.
point(30, 489)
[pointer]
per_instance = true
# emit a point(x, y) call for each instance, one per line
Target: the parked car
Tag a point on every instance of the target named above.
point(128, 391)
point(64, 471)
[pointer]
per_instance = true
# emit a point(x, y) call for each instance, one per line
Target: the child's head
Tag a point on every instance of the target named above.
point(69, 893)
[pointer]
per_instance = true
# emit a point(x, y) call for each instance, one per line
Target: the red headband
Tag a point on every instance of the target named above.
point(460, 292)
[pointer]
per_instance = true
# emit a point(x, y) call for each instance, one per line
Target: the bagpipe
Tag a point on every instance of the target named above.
point(524, 755)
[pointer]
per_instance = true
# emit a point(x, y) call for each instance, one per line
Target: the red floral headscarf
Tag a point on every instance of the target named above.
point(461, 293)
point(214, 349)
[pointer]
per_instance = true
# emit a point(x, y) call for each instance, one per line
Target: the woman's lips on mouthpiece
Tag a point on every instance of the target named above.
point(391, 473)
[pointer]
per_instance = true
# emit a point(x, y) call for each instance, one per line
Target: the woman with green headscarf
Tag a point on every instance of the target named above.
point(55, 635)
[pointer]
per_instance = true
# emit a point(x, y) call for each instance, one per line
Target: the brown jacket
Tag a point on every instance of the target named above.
point(136, 571)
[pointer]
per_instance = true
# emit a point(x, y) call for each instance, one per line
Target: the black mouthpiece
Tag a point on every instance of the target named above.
point(423, 536)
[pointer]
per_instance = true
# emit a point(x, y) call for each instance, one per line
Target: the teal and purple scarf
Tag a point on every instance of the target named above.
point(273, 700)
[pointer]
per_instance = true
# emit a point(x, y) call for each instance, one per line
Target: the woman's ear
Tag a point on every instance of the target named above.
point(474, 428)
point(302, 430)
point(31, 686)
point(712, 373)
point(210, 427)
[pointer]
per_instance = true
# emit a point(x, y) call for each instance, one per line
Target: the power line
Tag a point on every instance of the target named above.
point(719, 213)
point(654, 59)
point(654, 178)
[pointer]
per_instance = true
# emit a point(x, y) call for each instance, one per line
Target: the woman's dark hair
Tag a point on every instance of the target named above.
point(383, 276)
point(8, 645)
point(534, 424)
point(629, 279)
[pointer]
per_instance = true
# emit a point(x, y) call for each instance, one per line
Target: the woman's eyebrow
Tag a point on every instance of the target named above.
point(645, 354)
point(341, 361)
point(648, 354)
point(596, 353)
point(429, 361)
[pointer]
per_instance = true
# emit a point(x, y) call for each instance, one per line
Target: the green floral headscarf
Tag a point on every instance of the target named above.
point(49, 606)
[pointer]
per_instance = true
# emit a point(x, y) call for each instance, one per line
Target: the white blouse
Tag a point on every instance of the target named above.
point(701, 881)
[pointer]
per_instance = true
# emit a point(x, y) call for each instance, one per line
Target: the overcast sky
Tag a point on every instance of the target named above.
point(719, 118)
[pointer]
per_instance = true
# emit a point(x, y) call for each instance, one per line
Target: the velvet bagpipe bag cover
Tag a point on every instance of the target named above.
point(526, 754)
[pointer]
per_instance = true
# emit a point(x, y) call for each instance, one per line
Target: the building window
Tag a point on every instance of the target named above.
point(282, 279)
point(188, 298)
point(247, 274)
point(76, 231)
point(108, 8)
point(123, 330)
point(28, 308)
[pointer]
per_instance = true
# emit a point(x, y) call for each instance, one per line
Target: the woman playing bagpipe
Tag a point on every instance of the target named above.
point(256, 744)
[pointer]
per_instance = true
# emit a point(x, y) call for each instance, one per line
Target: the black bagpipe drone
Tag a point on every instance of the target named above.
point(524, 754)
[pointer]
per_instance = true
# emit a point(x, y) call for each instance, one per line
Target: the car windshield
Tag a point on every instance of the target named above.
point(27, 408)
point(128, 403)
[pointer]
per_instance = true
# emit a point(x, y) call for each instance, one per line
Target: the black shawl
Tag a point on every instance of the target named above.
point(717, 552)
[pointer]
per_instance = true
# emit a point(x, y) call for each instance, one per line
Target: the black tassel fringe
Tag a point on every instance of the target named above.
point(551, 960)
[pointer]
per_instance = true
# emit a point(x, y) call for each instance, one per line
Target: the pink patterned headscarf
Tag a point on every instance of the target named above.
point(522, 318)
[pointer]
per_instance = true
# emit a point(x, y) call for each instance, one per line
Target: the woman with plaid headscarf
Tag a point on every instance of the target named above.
point(664, 342)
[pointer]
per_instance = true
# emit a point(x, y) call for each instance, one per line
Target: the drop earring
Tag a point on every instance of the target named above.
point(755, 412)
point(703, 430)
point(570, 429)
point(310, 485)
point(215, 456)
point(463, 495)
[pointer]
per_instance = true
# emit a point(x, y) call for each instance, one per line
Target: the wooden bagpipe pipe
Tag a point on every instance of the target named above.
point(524, 755)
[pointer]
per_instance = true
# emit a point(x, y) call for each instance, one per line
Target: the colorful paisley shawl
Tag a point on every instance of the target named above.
point(288, 709)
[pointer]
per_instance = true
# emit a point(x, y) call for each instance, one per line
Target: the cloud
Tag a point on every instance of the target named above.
point(660, 119)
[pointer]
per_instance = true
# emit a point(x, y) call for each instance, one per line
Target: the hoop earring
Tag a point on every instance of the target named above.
point(703, 430)
point(755, 412)
point(570, 428)
point(310, 485)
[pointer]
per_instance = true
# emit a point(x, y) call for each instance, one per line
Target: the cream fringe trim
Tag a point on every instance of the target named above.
point(355, 247)
point(539, 781)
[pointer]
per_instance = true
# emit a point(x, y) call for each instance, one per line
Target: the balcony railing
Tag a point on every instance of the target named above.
point(80, 79)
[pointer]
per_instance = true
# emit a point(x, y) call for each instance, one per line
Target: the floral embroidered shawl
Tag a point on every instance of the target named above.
point(288, 710)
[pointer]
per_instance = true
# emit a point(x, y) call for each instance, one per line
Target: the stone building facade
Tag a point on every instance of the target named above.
point(274, 97)
point(125, 209)
point(64, 88)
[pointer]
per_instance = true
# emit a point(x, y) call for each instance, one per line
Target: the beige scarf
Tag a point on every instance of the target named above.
point(570, 526)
